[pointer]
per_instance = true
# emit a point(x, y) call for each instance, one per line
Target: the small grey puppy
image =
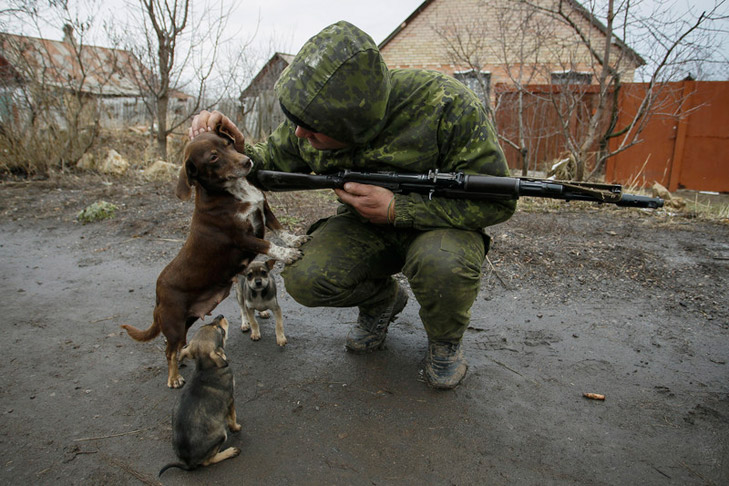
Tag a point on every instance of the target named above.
point(206, 405)
point(256, 291)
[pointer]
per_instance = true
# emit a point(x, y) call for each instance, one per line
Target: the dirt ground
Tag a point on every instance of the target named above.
point(627, 303)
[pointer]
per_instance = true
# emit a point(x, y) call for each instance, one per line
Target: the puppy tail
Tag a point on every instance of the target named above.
point(139, 335)
point(175, 464)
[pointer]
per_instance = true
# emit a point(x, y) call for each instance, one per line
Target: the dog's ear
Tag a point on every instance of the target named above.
point(234, 135)
point(270, 263)
point(184, 188)
point(223, 132)
point(219, 358)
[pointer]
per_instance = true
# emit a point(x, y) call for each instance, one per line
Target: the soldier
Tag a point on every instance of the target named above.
point(347, 110)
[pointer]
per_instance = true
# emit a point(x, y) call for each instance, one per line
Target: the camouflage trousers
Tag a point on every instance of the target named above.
point(350, 263)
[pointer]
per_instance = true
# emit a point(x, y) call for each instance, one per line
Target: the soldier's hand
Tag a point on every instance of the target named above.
point(207, 121)
point(372, 202)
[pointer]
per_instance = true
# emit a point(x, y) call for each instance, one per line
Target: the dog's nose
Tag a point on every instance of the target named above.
point(247, 164)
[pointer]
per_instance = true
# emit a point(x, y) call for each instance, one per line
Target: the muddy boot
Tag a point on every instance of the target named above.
point(445, 365)
point(371, 329)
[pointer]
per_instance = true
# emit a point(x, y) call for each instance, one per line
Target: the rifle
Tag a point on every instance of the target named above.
point(459, 185)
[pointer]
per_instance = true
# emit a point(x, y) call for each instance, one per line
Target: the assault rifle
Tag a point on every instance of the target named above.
point(460, 185)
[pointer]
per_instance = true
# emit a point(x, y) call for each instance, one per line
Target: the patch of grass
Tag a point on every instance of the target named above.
point(97, 211)
point(289, 221)
point(706, 208)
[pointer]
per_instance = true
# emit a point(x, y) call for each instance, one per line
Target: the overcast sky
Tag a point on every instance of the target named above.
point(290, 23)
point(284, 25)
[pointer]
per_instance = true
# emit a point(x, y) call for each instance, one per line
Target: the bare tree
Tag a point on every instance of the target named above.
point(512, 43)
point(674, 40)
point(180, 45)
point(51, 90)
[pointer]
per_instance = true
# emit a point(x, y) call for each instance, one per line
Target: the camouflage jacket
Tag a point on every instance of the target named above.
point(399, 120)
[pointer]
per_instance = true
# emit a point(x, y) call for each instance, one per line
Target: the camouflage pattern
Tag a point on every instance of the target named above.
point(348, 263)
point(393, 120)
point(402, 120)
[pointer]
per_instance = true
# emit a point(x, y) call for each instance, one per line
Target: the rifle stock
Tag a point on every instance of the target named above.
point(459, 185)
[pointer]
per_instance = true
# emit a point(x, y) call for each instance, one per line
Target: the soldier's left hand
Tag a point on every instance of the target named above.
point(372, 202)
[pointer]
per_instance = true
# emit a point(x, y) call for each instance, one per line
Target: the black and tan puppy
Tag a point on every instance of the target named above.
point(256, 291)
point(207, 404)
point(227, 230)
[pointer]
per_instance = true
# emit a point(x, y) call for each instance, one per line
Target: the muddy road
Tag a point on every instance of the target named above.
point(625, 303)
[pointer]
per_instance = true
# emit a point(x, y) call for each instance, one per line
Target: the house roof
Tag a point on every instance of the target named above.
point(66, 65)
point(255, 86)
point(594, 21)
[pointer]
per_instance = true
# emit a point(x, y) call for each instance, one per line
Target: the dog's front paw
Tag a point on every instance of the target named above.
point(255, 336)
point(286, 255)
point(293, 241)
point(299, 240)
point(265, 314)
point(235, 427)
point(281, 341)
point(245, 327)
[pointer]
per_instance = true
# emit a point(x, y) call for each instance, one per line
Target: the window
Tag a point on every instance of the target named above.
point(571, 77)
point(478, 81)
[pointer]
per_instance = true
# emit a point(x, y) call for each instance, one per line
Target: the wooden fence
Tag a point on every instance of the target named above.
point(542, 126)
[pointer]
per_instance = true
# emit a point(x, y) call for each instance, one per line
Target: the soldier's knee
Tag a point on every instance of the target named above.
point(299, 284)
point(447, 264)
point(310, 286)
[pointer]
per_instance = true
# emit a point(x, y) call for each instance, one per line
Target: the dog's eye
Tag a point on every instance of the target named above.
point(264, 274)
point(214, 158)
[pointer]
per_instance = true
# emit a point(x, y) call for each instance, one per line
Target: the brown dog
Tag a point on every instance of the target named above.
point(226, 232)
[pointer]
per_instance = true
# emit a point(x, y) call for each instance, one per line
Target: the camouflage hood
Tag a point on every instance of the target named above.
point(338, 85)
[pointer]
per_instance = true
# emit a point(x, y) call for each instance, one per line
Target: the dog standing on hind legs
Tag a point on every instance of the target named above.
point(226, 232)
point(256, 291)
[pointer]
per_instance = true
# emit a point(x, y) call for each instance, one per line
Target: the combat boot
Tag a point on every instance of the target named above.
point(371, 329)
point(445, 365)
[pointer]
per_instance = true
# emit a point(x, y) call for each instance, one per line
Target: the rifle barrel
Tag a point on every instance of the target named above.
point(460, 185)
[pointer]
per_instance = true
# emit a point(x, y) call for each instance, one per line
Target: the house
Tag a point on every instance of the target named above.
point(536, 70)
point(35, 71)
point(486, 43)
point(261, 111)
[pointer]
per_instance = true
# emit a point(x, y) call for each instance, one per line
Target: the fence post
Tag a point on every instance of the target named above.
point(681, 131)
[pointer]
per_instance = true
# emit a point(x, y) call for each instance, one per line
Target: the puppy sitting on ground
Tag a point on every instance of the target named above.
point(206, 405)
point(226, 232)
point(256, 291)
